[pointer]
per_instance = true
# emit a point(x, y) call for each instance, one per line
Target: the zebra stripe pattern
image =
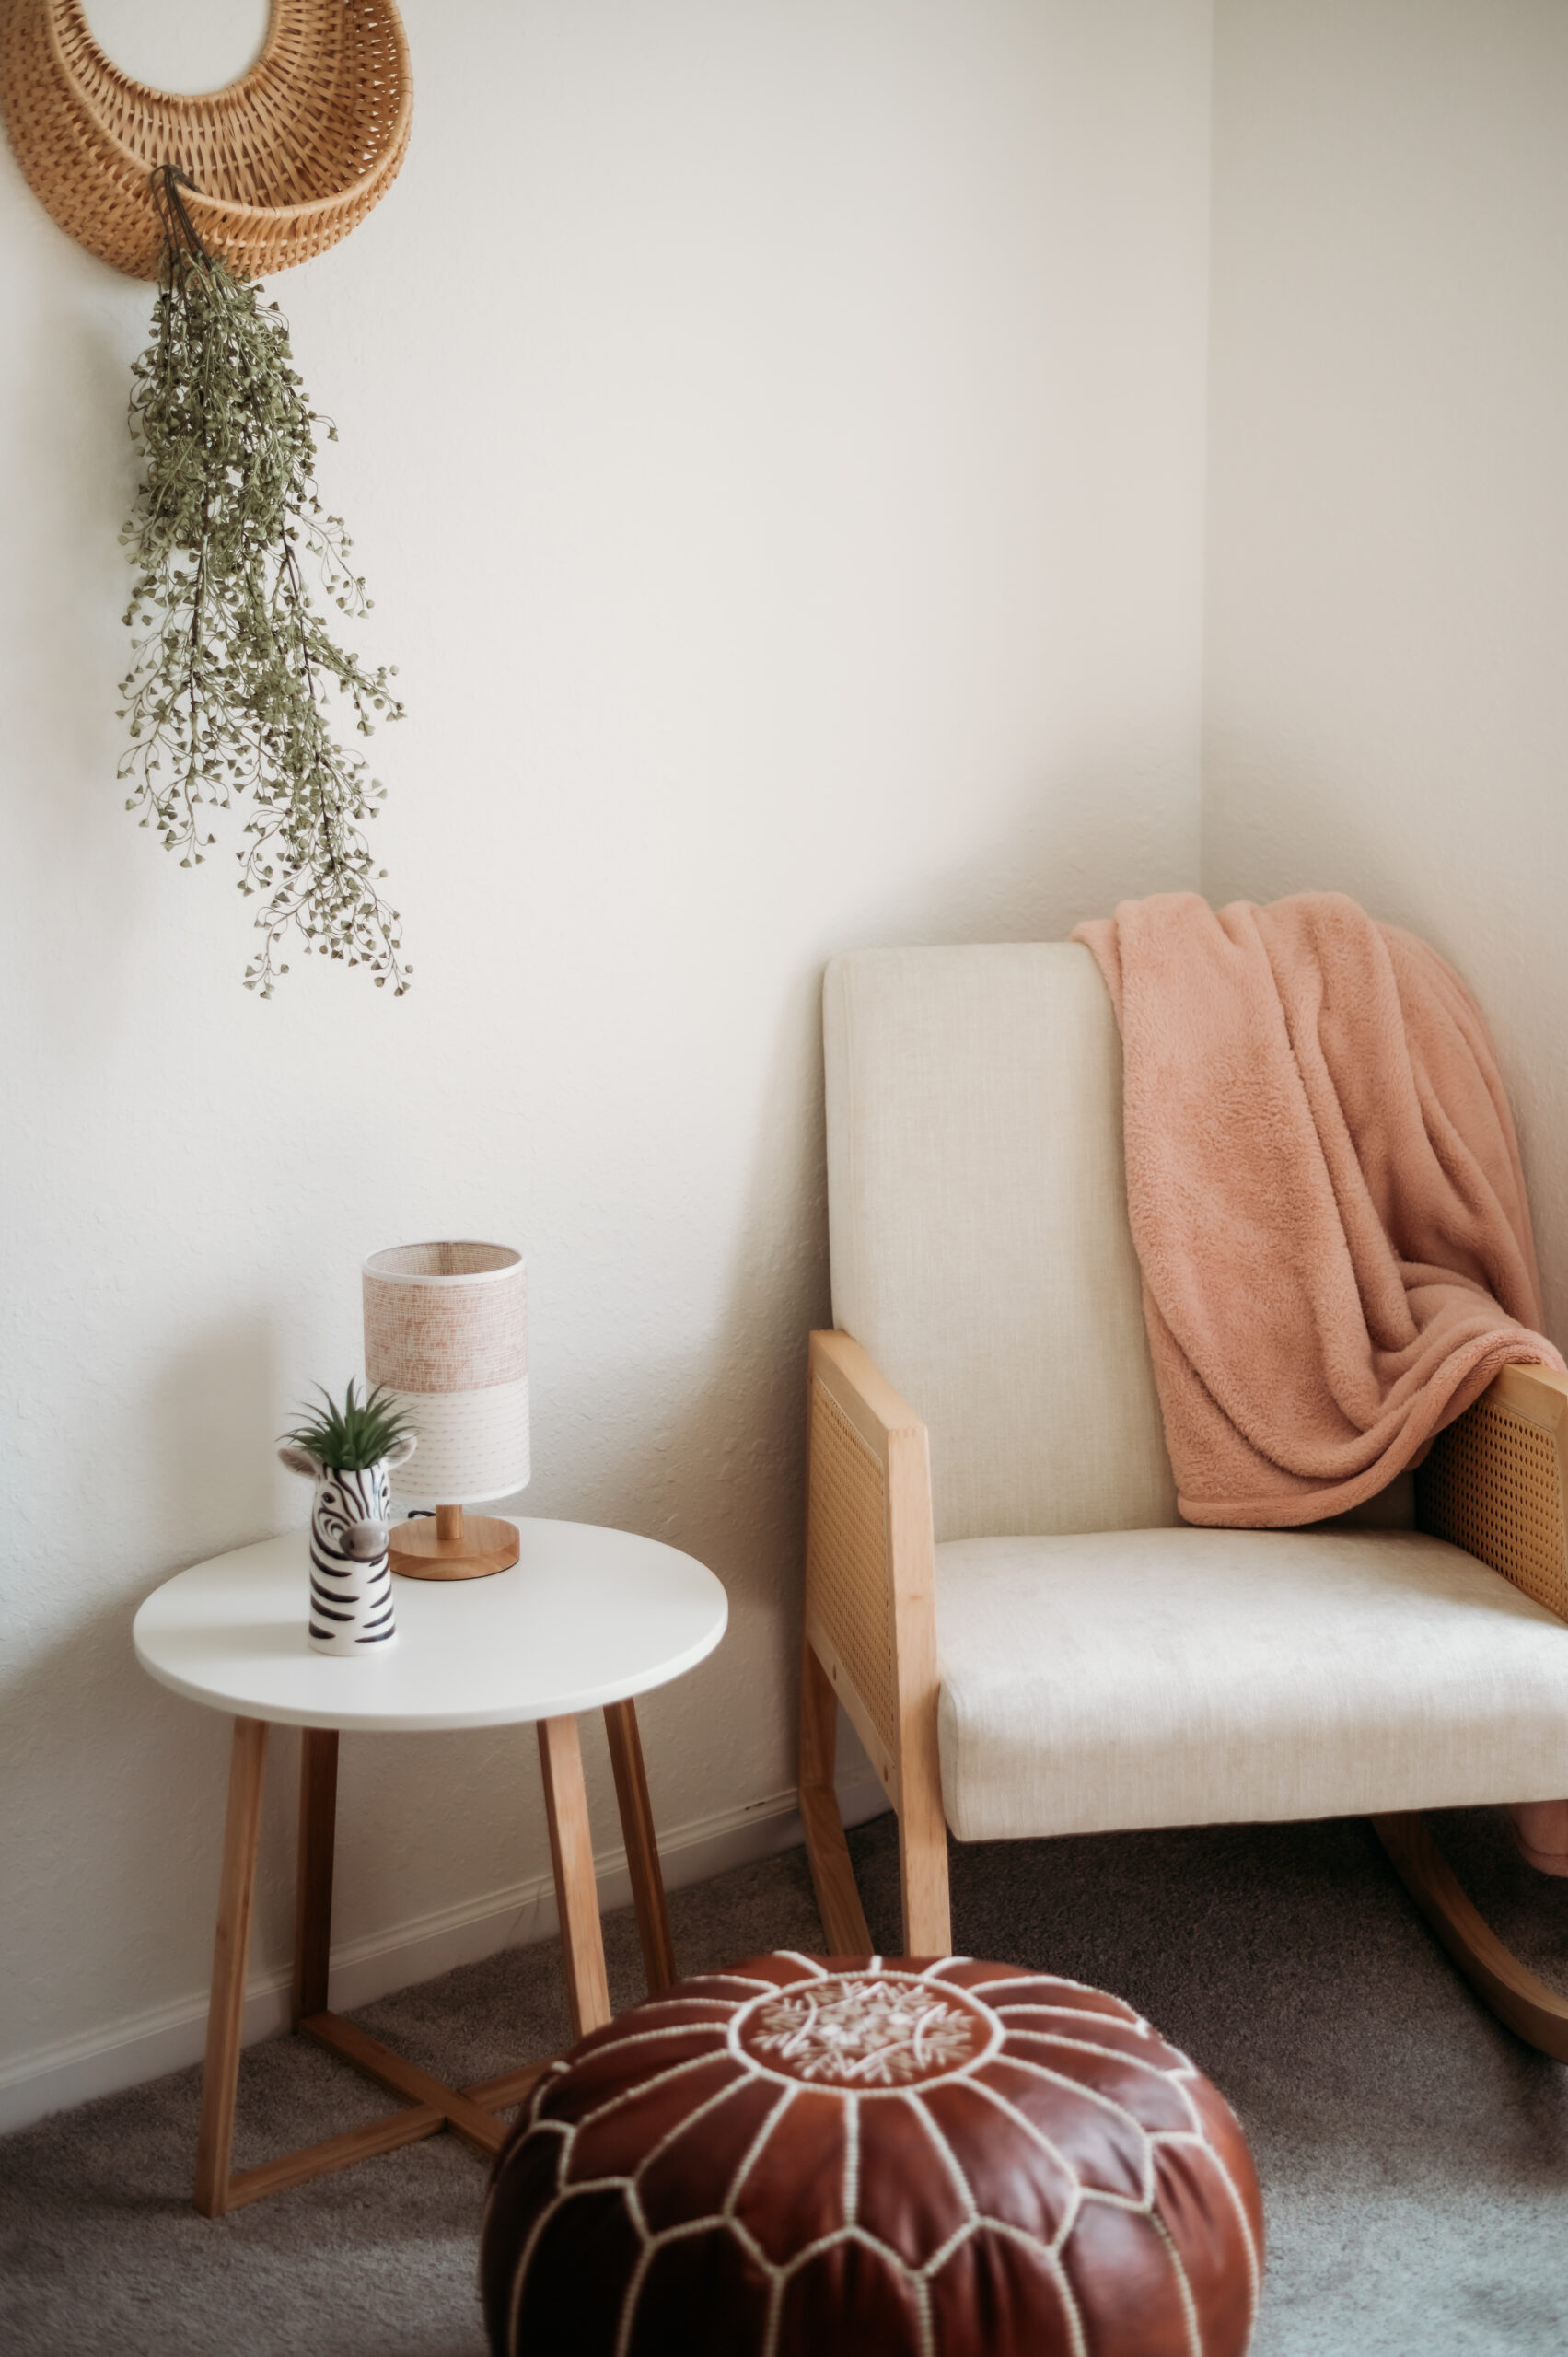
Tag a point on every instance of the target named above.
point(351, 1579)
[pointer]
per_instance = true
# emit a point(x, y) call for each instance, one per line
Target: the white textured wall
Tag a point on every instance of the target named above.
point(774, 433)
point(1387, 681)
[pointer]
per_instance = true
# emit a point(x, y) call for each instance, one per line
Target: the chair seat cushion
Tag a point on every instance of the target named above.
point(1139, 1677)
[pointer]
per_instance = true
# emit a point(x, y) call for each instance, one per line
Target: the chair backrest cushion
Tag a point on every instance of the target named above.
point(980, 1250)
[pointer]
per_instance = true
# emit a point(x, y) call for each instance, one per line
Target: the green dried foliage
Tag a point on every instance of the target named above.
point(352, 1436)
point(227, 693)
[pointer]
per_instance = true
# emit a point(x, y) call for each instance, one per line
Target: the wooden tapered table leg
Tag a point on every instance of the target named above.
point(642, 1844)
point(220, 2077)
point(313, 1905)
point(577, 1890)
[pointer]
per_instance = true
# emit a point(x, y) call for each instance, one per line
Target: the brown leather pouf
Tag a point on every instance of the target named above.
point(850, 2157)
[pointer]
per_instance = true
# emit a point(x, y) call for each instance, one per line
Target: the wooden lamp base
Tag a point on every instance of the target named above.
point(448, 1548)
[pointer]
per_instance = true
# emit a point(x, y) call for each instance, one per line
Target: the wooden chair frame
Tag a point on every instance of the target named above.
point(1495, 1483)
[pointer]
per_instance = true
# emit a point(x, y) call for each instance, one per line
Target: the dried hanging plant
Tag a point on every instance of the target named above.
point(227, 691)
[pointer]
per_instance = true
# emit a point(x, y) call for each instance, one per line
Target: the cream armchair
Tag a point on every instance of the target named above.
point(997, 1586)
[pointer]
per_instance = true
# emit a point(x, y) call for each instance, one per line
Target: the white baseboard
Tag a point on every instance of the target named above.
point(139, 2046)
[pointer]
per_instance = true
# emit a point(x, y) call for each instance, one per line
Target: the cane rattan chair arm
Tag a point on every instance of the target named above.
point(860, 1388)
point(1496, 1482)
point(862, 1437)
point(870, 1615)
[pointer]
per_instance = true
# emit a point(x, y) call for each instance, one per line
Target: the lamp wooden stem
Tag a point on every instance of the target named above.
point(452, 1549)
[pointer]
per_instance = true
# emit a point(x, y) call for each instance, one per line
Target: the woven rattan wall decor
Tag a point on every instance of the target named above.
point(284, 161)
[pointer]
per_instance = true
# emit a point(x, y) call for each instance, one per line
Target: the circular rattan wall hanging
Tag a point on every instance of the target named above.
point(284, 161)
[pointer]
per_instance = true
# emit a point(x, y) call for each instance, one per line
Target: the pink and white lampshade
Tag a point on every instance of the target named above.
point(447, 1333)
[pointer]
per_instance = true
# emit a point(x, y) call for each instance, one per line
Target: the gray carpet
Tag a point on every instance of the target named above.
point(1414, 2156)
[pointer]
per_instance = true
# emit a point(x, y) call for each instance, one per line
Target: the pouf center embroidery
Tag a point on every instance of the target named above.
point(863, 2030)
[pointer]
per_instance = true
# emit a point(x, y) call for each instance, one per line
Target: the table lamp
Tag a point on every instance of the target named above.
point(447, 1333)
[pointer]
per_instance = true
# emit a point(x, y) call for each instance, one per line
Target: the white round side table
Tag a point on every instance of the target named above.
point(585, 1619)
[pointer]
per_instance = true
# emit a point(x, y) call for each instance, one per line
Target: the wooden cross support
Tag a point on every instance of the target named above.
point(430, 2106)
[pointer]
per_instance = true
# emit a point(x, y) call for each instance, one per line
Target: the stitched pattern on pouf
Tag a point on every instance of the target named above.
point(853, 2031)
point(811, 2158)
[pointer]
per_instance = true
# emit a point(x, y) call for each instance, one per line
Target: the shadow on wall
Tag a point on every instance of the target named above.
point(1295, 827)
point(704, 1446)
point(147, 1810)
point(207, 1415)
point(1079, 840)
point(1479, 888)
point(156, 1788)
point(71, 647)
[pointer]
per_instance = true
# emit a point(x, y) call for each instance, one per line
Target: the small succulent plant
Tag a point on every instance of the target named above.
point(360, 1433)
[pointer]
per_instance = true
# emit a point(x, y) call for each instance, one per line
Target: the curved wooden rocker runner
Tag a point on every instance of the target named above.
point(283, 162)
point(1531, 2010)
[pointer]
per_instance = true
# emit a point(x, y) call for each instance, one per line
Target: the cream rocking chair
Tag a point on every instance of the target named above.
point(997, 1586)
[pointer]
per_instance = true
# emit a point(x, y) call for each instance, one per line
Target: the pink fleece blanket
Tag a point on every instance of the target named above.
point(1325, 1192)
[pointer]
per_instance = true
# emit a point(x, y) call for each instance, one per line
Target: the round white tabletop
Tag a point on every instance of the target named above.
point(584, 1617)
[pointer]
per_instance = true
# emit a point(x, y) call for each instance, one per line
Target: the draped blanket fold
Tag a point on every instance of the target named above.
point(1325, 1193)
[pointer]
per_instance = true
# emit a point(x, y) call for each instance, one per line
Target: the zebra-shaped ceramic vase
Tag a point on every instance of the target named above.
point(351, 1579)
